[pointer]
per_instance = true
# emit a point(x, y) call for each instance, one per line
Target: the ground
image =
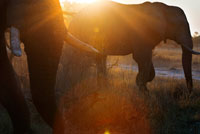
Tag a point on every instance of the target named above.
point(116, 106)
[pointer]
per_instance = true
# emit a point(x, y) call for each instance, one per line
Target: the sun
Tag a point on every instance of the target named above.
point(106, 132)
point(78, 1)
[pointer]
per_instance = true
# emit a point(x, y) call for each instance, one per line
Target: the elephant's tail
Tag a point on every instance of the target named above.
point(190, 50)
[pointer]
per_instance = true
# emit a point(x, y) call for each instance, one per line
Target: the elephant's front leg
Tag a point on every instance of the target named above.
point(101, 70)
point(146, 68)
point(187, 67)
point(101, 66)
point(43, 54)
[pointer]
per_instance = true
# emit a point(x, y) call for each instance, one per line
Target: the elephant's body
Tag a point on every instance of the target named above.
point(118, 29)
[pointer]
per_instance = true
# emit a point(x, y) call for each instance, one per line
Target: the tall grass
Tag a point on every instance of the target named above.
point(113, 104)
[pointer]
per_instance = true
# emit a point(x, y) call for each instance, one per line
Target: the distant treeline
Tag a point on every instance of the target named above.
point(196, 40)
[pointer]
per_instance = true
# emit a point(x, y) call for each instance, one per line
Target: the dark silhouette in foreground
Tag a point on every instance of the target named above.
point(43, 32)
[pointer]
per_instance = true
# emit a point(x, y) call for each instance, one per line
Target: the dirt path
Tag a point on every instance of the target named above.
point(164, 72)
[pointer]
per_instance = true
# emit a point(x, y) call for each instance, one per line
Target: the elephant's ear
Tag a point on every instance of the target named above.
point(15, 41)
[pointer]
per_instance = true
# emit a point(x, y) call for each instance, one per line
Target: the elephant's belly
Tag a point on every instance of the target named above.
point(118, 30)
point(118, 48)
point(114, 42)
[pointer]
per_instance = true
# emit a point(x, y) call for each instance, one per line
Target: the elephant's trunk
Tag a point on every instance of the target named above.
point(187, 62)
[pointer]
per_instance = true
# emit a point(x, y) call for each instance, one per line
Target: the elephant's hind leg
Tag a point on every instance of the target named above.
point(146, 69)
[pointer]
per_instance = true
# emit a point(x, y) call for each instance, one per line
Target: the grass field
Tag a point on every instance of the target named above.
point(115, 105)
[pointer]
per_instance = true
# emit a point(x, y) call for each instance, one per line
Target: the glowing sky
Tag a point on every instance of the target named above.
point(191, 8)
point(80, 1)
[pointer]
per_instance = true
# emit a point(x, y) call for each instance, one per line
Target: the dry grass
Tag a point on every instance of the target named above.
point(170, 56)
point(164, 55)
point(115, 105)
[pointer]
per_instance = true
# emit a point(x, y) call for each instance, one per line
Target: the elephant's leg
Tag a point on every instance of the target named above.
point(187, 65)
point(11, 95)
point(101, 66)
point(43, 54)
point(146, 69)
point(101, 70)
point(152, 73)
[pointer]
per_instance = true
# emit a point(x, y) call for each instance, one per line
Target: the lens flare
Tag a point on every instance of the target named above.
point(106, 132)
point(80, 1)
point(62, 2)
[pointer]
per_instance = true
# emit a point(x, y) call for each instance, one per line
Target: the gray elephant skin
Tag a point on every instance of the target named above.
point(118, 29)
point(43, 32)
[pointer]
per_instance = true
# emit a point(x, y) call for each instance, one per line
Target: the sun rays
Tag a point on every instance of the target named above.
point(78, 1)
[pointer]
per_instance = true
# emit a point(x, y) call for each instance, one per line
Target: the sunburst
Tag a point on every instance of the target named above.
point(78, 1)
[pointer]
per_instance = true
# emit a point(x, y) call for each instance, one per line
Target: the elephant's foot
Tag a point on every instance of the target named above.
point(143, 89)
point(181, 92)
point(188, 93)
point(189, 87)
point(102, 81)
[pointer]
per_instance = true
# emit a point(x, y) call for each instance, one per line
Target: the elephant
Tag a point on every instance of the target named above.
point(43, 32)
point(122, 29)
